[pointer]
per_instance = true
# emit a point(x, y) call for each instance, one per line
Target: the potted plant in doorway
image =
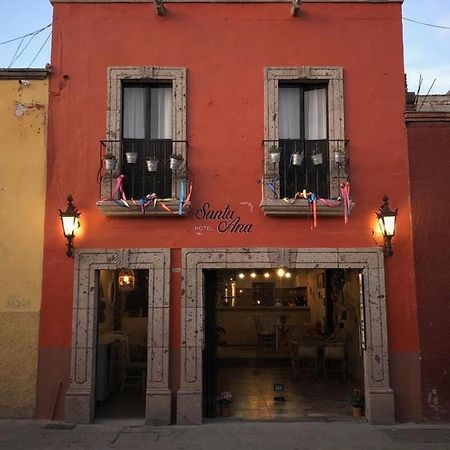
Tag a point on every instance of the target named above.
point(224, 400)
point(357, 402)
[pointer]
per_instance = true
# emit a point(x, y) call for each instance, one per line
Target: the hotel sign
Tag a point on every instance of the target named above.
point(223, 220)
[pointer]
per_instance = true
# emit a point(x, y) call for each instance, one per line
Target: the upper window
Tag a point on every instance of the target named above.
point(146, 135)
point(304, 124)
point(303, 135)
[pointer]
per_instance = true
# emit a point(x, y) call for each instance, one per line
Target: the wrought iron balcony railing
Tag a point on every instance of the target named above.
point(140, 171)
point(294, 165)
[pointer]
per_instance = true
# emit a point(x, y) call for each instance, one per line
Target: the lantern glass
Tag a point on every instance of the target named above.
point(70, 225)
point(389, 225)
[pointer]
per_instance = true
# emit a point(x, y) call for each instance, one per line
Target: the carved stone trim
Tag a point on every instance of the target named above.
point(272, 76)
point(379, 395)
point(116, 76)
point(80, 398)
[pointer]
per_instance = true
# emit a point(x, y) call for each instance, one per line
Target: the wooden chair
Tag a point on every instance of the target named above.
point(134, 373)
point(308, 358)
point(265, 338)
point(334, 359)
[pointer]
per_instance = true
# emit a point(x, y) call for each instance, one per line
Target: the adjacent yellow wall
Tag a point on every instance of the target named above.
point(23, 136)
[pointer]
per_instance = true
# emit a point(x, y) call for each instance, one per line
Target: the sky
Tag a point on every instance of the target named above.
point(427, 49)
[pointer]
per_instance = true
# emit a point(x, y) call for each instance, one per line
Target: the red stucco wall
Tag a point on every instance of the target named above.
point(430, 170)
point(225, 48)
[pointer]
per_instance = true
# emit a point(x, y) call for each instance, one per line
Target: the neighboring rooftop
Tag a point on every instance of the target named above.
point(24, 74)
point(427, 108)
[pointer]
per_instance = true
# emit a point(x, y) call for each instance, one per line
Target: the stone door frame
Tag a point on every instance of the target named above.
point(378, 393)
point(80, 397)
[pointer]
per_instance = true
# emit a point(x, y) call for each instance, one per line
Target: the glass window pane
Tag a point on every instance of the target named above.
point(161, 113)
point(289, 112)
point(316, 114)
point(134, 105)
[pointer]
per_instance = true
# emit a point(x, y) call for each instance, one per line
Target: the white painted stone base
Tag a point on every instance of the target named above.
point(157, 408)
point(79, 408)
point(189, 408)
point(380, 406)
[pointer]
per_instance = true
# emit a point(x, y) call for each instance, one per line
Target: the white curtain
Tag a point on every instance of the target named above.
point(134, 106)
point(161, 113)
point(316, 114)
point(289, 113)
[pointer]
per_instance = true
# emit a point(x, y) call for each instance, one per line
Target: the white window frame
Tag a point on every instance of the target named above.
point(336, 135)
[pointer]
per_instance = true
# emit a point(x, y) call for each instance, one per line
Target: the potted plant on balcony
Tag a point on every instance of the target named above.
point(152, 164)
point(110, 161)
point(275, 153)
point(176, 161)
point(357, 402)
point(224, 400)
point(131, 157)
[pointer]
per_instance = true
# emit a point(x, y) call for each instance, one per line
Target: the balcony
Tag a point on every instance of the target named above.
point(296, 170)
point(143, 177)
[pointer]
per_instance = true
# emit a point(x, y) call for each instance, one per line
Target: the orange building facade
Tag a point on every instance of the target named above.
point(221, 71)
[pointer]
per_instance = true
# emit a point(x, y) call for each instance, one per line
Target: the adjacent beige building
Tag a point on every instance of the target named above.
point(23, 132)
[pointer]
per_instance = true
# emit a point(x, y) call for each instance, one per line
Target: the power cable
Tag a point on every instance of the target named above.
point(25, 35)
point(39, 51)
point(15, 53)
point(15, 58)
point(426, 24)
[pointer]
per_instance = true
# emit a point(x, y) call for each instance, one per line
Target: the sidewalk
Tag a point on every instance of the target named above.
point(342, 435)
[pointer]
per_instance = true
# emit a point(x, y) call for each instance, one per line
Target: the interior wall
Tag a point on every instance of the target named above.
point(316, 297)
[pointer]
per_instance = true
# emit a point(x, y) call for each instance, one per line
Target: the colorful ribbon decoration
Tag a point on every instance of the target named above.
point(345, 197)
point(149, 199)
point(312, 199)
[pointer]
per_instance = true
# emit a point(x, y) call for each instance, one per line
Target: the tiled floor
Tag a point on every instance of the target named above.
point(308, 398)
point(130, 404)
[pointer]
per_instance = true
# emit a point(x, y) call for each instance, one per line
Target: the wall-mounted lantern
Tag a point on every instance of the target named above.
point(70, 223)
point(387, 222)
point(127, 280)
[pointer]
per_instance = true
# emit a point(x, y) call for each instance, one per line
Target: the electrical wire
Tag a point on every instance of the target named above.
point(26, 35)
point(39, 51)
point(15, 58)
point(15, 53)
point(426, 24)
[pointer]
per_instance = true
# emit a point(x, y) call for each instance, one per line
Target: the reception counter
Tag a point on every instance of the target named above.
point(239, 322)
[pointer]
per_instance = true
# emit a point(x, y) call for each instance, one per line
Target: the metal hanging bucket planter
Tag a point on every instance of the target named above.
point(339, 157)
point(110, 163)
point(297, 159)
point(152, 165)
point(131, 157)
point(175, 162)
point(275, 156)
point(317, 159)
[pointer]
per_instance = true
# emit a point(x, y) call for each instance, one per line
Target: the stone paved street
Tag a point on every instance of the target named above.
point(339, 435)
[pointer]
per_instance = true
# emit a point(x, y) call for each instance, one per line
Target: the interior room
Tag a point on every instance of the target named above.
point(121, 363)
point(288, 344)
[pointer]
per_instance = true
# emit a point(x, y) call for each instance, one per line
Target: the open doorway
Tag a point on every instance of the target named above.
point(121, 362)
point(283, 344)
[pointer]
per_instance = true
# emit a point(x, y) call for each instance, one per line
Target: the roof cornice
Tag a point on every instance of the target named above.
point(24, 74)
point(53, 2)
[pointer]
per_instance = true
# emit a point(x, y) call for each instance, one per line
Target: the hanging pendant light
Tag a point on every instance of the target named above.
point(127, 280)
